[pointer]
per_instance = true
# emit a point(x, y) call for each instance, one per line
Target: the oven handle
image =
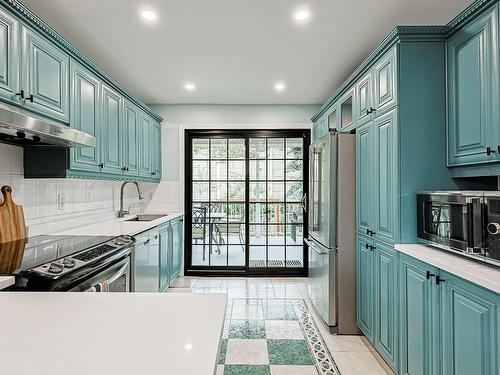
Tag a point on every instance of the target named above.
point(122, 271)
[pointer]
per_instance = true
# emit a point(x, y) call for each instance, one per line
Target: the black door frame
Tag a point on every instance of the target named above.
point(189, 135)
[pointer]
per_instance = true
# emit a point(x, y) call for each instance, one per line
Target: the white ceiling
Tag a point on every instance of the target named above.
point(234, 50)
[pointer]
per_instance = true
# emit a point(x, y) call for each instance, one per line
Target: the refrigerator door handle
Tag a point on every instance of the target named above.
point(304, 202)
point(316, 248)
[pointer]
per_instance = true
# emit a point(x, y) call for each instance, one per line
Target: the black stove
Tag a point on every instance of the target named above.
point(61, 262)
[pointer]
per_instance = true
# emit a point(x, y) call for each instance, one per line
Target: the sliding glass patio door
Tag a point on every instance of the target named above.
point(244, 202)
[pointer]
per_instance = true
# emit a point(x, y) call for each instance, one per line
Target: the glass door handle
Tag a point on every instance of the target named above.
point(304, 202)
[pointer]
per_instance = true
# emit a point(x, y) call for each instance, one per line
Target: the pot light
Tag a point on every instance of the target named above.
point(190, 86)
point(149, 15)
point(279, 86)
point(302, 15)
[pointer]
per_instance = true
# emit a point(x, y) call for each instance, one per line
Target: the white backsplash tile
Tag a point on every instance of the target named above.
point(52, 205)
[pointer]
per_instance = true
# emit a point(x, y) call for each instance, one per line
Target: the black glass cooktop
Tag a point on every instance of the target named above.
point(17, 256)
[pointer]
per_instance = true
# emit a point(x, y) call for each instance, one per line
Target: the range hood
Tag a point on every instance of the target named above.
point(19, 128)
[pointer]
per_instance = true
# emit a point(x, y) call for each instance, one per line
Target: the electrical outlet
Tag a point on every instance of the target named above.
point(60, 202)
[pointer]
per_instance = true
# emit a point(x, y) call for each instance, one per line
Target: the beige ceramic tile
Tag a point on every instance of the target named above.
point(357, 363)
point(293, 370)
point(283, 329)
point(247, 352)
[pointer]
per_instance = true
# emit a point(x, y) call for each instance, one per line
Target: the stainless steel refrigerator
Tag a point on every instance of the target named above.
point(331, 238)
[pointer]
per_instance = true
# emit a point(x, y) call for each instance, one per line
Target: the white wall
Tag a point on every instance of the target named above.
point(51, 205)
point(178, 117)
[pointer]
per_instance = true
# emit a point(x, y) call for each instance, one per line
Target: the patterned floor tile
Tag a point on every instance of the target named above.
point(222, 352)
point(247, 329)
point(248, 311)
point(247, 370)
point(283, 329)
point(293, 370)
point(285, 312)
point(289, 352)
point(247, 352)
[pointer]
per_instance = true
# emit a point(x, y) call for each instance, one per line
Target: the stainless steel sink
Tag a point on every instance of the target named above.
point(146, 217)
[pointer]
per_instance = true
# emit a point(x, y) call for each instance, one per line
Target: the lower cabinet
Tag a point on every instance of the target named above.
point(448, 325)
point(158, 255)
point(364, 285)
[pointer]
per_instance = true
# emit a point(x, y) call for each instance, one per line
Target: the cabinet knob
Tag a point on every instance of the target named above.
point(489, 151)
point(101, 165)
point(30, 98)
point(153, 173)
point(428, 275)
point(439, 280)
point(125, 169)
point(20, 94)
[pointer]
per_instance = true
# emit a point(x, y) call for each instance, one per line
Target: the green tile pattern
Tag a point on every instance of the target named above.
point(288, 352)
point(247, 329)
point(222, 352)
point(247, 370)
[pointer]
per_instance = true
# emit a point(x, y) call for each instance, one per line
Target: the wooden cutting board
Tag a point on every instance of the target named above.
point(11, 218)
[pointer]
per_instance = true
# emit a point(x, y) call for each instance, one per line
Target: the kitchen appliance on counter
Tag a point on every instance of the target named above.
point(464, 222)
point(69, 263)
point(331, 238)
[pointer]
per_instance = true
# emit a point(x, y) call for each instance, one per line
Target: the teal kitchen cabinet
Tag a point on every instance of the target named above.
point(365, 285)
point(419, 326)
point(84, 116)
point(111, 130)
point(177, 248)
point(146, 261)
point(385, 82)
point(470, 318)
point(320, 127)
point(363, 103)
point(364, 179)
point(130, 140)
point(165, 258)
point(473, 92)
point(386, 303)
point(9, 52)
point(385, 178)
point(345, 110)
point(144, 146)
point(154, 147)
point(44, 76)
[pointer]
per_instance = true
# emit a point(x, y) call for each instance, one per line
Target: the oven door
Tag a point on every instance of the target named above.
point(452, 221)
point(115, 278)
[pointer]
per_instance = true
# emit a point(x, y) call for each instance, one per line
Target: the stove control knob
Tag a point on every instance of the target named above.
point(69, 263)
point(56, 267)
point(493, 228)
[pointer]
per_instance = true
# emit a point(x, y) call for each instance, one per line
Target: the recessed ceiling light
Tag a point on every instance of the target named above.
point(149, 15)
point(302, 15)
point(279, 86)
point(190, 86)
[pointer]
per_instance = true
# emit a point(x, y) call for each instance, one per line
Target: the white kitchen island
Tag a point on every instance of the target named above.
point(110, 333)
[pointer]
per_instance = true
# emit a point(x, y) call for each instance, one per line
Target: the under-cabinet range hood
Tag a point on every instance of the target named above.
point(18, 127)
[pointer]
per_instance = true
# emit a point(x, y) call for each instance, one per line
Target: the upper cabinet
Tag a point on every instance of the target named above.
point(9, 56)
point(384, 73)
point(473, 100)
point(45, 76)
point(364, 103)
point(84, 116)
point(345, 107)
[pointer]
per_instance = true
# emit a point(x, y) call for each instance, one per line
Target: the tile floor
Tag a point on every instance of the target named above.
point(270, 329)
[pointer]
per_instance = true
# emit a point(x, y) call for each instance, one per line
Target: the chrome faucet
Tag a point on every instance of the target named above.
point(122, 212)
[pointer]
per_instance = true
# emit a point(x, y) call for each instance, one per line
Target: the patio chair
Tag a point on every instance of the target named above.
point(199, 226)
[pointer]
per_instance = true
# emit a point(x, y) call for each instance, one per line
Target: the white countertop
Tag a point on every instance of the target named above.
point(481, 274)
point(117, 227)
point(6, 281)
point(110, 333)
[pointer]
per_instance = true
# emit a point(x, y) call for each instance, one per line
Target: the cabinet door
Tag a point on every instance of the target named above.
point(365, 285)
point(320, 127)
point(385, 182)
point(147, 264)
point(345, 108)
point(154, 147)
point(85, 106)
point(9, 56)
point(364, 99)
point(386, 338)
point(419, 332)
point(144, 144)
point(130, 141)
point(364, 179)
point(45, 75)
point(165, 257)
point(176, 249)
point(111, 131)
point(470, 317)
point(473, 91)
point(384, 73)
